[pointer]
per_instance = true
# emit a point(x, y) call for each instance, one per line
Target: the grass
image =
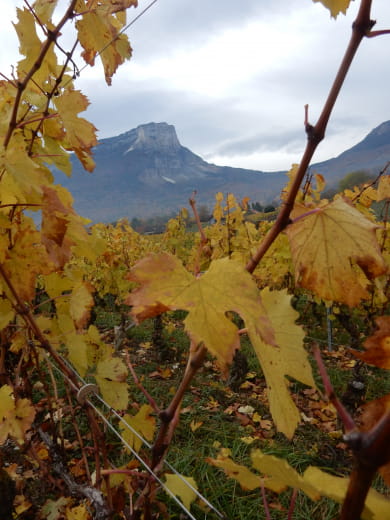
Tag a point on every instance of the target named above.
point(311, 445)
point(214, 406)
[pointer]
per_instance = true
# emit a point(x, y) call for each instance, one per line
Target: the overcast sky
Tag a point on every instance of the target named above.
point(234, 76)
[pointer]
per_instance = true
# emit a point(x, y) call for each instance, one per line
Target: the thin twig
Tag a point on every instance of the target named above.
point(150, 399)
point(293, 502)
point(265, 503)
point(347, 420)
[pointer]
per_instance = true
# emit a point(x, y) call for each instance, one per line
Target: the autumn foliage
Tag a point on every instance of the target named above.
point(231, 279)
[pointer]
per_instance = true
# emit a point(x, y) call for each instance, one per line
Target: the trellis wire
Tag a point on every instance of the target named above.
point(144, 441)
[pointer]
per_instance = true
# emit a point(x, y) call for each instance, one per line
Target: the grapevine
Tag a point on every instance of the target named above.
point(233, 279)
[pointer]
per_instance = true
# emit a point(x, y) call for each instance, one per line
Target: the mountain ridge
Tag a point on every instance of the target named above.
point(146, 171)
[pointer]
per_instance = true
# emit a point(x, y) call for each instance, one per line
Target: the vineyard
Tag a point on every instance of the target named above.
point(236, 371)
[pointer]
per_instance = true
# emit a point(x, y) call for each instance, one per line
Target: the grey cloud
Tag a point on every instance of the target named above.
point(290, 141)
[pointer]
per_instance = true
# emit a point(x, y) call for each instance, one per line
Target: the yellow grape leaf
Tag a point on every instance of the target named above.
point(56, 284)
point(23, 176)
point(325, 242)
point(26, 260)
point(377, 346)
point(54, 226)
point(282, 473)
point(80, 133)
point(335, 6)
point(291, 174)
point(7, 99)
point(111, 376)
point(44, 10)
point(77, 513)
point(383, 188)
point(55, 154)
point(244, 476)
point(289, 358)
point(30, 47)
point(226, 286)
point(377, 507)
point(177, 486)
point(98, 350)
point(143, 423)
point(81, 302)
point(15, 418)
point(114, 6)
point(77, 348)
point(7, 313)
point(30, 44)
point(98, 29)
point(7, 403)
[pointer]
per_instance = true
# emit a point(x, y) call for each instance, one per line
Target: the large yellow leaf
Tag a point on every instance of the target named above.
point(244, 476)
point(377, 506)
point(77, 513)
point(98, 29)
point(177, 485)
point(54, 226)
point(15, 417)
point(384, 188)
point(226, 286)
point(26, 260)
point(335, 251)
point(23, 176)
point(30, 44)
point(30, 47)
point(278, 474)
point(335, 6)
point(81, 302)
point(282, 473)
point(111, 376)
point(289, 358)
point(44, 10)
point(80, 133)
point(77, 348)
point(143, 423)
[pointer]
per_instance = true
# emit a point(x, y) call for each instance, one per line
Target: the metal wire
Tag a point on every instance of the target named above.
point(139, 436)
point(140, 459)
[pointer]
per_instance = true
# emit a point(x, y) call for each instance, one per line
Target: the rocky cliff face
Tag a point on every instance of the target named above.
point(153, 137)
point(151, 155)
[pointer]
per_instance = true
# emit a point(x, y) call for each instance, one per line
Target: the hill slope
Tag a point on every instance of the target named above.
point(146, 171)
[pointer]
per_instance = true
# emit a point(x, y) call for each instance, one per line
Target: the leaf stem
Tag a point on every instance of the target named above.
point(150, 399)
point(347, 420)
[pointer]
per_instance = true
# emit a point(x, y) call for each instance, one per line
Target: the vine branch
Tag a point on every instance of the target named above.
point(315, 134)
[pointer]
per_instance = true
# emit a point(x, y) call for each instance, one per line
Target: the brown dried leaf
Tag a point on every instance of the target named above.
point(378, 345)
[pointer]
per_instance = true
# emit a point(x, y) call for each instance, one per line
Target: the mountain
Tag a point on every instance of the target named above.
point(146, 171)
point(371, 154)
